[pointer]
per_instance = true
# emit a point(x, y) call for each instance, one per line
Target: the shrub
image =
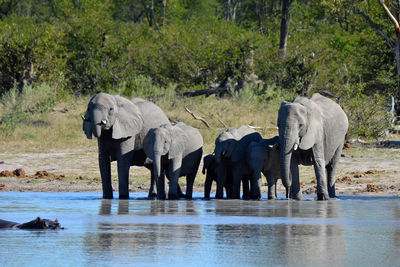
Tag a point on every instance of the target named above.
point(368, 115)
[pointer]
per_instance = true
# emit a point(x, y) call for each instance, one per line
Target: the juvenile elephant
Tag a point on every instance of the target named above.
point(210, 166)
point(177, 151)
point(120, 126)
point(311, 132)
point(230, 153)
point(263, 157)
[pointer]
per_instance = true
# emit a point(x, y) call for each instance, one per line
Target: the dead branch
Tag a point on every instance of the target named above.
point(255, 127)
point(197, 117)
point(226, 127)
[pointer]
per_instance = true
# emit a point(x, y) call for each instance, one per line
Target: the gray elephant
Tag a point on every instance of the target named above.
point(210, 169)
point(311, 132)
point(230, 153)
point(177, 151)
point(264, 157)
point(120, 126)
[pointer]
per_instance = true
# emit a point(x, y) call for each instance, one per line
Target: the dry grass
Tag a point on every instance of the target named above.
point(59, 130)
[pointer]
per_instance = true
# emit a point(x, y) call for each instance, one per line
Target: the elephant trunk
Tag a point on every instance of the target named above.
point(97, 130)
point(287, 147)
point(157, 175)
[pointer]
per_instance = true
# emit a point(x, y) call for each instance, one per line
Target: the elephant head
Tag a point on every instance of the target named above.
point(298, 129)
point(115, 113)
point(166, 139)
point(226, 145)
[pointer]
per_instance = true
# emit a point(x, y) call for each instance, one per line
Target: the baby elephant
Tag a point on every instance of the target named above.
point(210, 166)
point(36, 224)
point(175, 150)
point(264, 157)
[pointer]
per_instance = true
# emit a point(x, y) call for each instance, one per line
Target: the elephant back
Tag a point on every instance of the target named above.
point(153, 117)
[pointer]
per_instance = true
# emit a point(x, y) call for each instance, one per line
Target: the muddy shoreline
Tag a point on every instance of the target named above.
point(364, 169)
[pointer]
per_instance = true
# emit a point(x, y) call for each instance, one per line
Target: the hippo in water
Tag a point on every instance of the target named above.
point(36, 224)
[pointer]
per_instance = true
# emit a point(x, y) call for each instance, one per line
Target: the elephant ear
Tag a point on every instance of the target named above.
point(128, 119)
point(314, 126)
point(178, 142)
point(87, 127)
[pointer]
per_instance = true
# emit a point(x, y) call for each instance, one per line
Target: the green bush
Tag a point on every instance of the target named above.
point(368, 115)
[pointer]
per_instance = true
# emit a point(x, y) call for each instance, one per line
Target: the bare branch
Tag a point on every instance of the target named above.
point(390, 15)
point(198, 118)
point(255, 127)
point(377, 28)
point(226, 127)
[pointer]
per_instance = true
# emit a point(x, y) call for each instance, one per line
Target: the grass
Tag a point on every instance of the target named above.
point(61, 126)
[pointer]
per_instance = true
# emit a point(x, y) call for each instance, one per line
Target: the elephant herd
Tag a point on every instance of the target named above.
point(138, 133)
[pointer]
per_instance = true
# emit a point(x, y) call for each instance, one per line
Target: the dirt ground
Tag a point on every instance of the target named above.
point(364, 169)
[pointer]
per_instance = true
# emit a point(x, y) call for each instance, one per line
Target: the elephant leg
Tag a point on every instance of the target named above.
point(161, 186)
point(237, 177)
point(174, 171)
point(331, 172)
point(255, 192)
point(105, 172)
point(123, 165)
point(180, 193)
point(207, 185)
point(189, 185)
point(295, 192)
point(320, 173)
point(152, 192)
point(221, 179)
point(271, 187)
point(246, 188)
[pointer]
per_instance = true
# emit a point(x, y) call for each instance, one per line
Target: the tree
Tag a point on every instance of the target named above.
point(285, 22)
point(394, 17)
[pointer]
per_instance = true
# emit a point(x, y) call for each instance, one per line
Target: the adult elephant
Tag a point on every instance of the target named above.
point(311, 132)
point(176, 150)
point(120, 126)
point(230, 154)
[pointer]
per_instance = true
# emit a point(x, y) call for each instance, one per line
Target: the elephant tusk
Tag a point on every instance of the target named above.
point(83, 118)
point(295, 147)
point(103, 122)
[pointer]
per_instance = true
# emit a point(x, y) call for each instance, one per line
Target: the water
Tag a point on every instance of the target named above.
point(351, 231)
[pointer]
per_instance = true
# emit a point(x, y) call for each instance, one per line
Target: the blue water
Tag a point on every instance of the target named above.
point(351, 231)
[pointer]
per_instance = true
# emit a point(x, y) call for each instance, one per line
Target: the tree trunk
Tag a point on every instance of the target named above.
point(397, 48)
point(285, 22)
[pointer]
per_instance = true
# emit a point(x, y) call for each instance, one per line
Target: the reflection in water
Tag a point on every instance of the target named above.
point(142, 241)
point(346, 232)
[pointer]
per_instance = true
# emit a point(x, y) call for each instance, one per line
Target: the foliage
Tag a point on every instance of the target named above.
point(368, 115)
point(158, 47)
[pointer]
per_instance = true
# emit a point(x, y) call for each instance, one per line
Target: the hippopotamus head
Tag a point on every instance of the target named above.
point(41, 224)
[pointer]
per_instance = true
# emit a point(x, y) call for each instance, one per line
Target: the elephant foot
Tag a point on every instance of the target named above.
point(124, 196)
point(322, 196)
point(108, 196)
point(255, 197)
point(161, 197)
point(219, 196)
point(298, 196)
point(172, 196)
point(152, 195)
